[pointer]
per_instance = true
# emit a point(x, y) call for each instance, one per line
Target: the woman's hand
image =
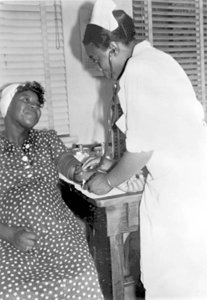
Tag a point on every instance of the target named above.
point(93, 162)
point(97, 184)
point(22, 238)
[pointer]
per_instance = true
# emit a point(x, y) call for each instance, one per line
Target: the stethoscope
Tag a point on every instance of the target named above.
point(111, 118)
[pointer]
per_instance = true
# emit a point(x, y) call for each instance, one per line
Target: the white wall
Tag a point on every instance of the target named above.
point(89, 97)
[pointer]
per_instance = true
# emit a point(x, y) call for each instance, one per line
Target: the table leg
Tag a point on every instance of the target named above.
point(117, 265)
point(99, 245)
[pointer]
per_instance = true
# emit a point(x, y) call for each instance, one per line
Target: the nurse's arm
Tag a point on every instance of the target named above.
point(129, 165)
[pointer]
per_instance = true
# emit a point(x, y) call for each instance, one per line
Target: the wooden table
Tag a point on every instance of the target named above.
point(107, 219)
point(113, 217)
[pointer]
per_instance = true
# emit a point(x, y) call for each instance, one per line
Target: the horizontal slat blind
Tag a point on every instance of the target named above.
point(177, 27)
point(32, 48)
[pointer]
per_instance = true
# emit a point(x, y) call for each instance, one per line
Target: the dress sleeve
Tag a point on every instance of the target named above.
point(62, 155)
point(56, 144)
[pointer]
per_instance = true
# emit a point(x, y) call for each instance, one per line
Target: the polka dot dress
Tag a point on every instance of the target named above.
point(59, 266)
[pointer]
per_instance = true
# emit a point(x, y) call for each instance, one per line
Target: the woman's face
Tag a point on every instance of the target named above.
point(24, 109)
point(101, 58)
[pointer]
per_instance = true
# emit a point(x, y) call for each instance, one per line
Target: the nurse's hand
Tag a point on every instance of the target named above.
point(97, 184)
point(133, 185)
point(81, 175)
point(22, 238)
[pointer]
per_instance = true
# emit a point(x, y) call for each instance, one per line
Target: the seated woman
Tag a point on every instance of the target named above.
point(44, 253)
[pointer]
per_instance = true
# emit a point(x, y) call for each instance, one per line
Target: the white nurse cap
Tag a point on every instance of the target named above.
point(102, 15)
point(7, 96)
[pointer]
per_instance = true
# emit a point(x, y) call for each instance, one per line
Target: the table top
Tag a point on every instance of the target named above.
point(106, 201)
point(114, 197)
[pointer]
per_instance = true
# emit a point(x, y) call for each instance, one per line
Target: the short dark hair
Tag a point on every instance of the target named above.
point(101, 37)
point(34, 87)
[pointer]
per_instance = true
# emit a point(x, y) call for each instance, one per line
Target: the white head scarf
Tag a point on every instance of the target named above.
point(7, 96)
point(102, 15)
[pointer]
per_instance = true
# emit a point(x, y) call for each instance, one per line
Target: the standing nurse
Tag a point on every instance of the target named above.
point(165, 131)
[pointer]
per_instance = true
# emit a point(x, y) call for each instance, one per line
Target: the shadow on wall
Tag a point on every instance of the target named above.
point(100, 109)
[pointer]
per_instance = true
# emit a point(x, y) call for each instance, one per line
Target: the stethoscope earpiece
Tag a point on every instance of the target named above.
point(112, 51)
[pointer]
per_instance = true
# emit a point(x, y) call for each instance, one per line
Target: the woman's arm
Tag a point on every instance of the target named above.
point(94, 163)
point(66, 164)
point(71, 168)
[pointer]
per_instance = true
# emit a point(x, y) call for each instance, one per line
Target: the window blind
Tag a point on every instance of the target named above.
point(178, 27)
point(32, 48)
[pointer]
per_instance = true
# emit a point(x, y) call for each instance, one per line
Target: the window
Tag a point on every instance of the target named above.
point(178, 27)
point(32, 48)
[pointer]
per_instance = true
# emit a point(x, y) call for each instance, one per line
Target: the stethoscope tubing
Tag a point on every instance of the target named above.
point(111, 117)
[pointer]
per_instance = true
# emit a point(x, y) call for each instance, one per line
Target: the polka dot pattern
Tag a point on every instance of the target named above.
point(60, 265)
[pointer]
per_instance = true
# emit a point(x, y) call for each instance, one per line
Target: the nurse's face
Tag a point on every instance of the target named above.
point(101, 58)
